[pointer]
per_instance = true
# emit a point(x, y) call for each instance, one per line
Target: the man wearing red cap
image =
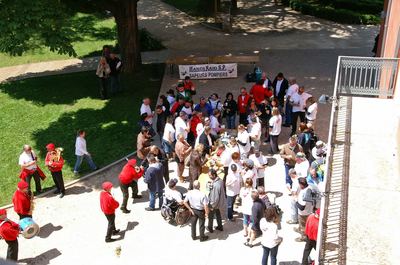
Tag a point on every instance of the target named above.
point(9, 231)
point(55, 163)
point(108, 205)
point(22, 200)
point(128, 178)
point(311, 232)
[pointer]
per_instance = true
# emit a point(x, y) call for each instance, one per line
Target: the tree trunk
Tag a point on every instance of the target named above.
point(234, 4)
point(125, 14)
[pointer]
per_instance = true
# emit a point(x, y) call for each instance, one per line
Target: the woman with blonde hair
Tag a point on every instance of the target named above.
point(247, 204)
point(103, 72)
point(275, 127)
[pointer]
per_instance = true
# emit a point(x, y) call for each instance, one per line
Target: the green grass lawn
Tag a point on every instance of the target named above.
point(51, 109)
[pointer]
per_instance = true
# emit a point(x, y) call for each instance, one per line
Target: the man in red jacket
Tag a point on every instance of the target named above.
point(311, 232)
point(128, 178)
point(22, 200)
point(259, 93)
point(108, 205)
point(55, 163)
point(243, 99)
point(9, 231)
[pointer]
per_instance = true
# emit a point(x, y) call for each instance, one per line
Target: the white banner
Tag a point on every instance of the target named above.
point(208, 71)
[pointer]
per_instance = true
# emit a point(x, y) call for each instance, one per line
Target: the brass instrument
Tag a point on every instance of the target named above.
point(55, 155)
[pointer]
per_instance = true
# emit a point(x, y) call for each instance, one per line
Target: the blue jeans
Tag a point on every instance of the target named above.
point(230, 201)
point(288, 178)
point(288, 113)
point(152, 199)
point(266, 252)
point(79, 160)
point(167, 147)
point(230, 122)
point(293, 211)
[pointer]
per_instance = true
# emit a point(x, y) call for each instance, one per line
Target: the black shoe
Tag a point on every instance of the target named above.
point(210, 230)
point(124, 210)
point(149, 209)
point(56, 192)
point(219, 228)
point(116, 231)
point(286, 125)
point(204, 238)
point(137, 196)
point(62, 195)
point(195, 237)
point(108, 240)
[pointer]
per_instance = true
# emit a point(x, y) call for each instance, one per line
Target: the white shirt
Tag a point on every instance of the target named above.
point(295, 185)
point(292, 90)
point(258, 162)
point(312, 110)
point(244, 138)
point(233, 180)
point(214, 124)
point(247, 201)
point(300, 199)
point(302, 168)
point(80, 146)
point(275, 123)
point(146, 109)
point(278, 86)
point(266, 83)
point(171, 100)
point(169, 133)
point(252, 174)
point(226, 157)
point(188, 111)
point(26, 158)
point(199, 129)
point(173, 195)
point(180, 128)
point(238, 166)
point(196, 199)
point(255, 132)
point(270, 237)
point(299, 101)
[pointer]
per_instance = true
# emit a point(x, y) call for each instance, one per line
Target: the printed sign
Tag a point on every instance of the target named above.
point(208, 71)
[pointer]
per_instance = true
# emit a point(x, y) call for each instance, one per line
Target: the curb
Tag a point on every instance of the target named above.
point(69, 184)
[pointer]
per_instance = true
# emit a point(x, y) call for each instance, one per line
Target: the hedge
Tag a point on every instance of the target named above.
point(327, 12)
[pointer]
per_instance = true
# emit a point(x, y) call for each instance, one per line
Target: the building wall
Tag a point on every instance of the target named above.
point(391, 37)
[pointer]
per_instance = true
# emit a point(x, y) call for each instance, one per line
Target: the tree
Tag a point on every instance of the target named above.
point(26, 24)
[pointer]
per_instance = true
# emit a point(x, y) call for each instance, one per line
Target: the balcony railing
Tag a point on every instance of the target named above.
point(366, 76)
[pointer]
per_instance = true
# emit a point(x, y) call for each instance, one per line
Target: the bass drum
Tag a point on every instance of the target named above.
point(28, 227)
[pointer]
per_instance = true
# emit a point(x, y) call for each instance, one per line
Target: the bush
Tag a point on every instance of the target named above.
point(330, 13)
point(360, 6)
point(148, 42)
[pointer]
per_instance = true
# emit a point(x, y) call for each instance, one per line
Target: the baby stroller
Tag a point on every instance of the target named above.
point(174, 212)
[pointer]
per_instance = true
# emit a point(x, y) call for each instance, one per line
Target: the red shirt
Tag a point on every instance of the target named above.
point(22, 202)
point(193, 124)
point(259, 93)
point(242, 103)
point(107, 203)
point(311, 230)
point(175, 107)
point(9, 230)
point(55, 166)
point(128, 174)
point(188, 85)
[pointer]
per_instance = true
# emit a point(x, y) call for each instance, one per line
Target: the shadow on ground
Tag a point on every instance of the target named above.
point(42, 259)
point(48, 229)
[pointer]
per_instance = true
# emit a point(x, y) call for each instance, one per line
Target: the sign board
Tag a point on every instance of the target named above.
point(208, 71)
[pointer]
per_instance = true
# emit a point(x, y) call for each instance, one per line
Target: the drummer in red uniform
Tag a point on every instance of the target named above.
point(108, 205)
point(128, 178)
point(55, 164)
point(22, 200)
point(9, 231)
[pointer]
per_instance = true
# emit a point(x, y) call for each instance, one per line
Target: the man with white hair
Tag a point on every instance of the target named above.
point(181, 126)
point(145, 108)
point(260, 164)
point(293, 88)
point(302, 165)
point(243, 140)
point(255, 132)
point(30, 169)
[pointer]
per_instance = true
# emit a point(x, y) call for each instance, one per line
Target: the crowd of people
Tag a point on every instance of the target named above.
point(205, 139)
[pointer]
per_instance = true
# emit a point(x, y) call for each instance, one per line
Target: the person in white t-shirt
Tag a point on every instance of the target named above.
point(171, 193)
point(293, 89)
point(243, 139)
point(311, 113)
point(181, 126)
point(305, 208)
point(81, 152)
point(28, 163)
point(250, 172)
point(298, 101)
point(260, 164)
point(255, 132)
point(168, 137)
point(214, 123)
point(145, 108)
point(275, 127)
point(302, 165)
point(233, 181)
point(270, 240)
point(293, 191)
point(247, 204)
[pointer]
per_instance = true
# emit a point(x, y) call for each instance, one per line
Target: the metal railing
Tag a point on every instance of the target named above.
point(366, 76)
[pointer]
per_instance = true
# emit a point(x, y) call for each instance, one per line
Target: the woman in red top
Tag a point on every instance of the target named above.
point(108, 205)
point(9, 231)
point(55, 163)
point(22, 200)
point(242, 102)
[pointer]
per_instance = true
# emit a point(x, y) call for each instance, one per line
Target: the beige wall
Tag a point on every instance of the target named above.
point(391, 38)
